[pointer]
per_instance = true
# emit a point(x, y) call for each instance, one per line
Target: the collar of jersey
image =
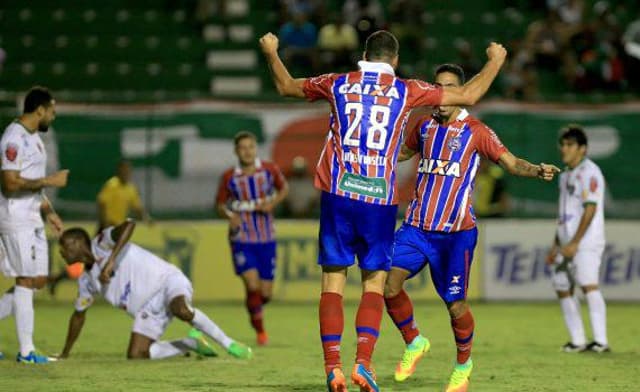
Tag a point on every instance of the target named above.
point(463, 114)
point(258, 165)
point(370, 66)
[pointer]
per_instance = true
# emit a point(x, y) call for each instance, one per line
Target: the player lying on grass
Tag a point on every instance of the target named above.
point(150, 289)
point(439, 229)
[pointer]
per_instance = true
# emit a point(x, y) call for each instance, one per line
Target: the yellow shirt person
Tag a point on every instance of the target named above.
point(118, 197)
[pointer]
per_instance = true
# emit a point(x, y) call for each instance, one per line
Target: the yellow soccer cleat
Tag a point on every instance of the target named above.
point(459, 380)
point(412, 355)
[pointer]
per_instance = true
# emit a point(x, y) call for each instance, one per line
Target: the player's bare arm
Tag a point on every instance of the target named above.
point(52, 217)
point(553, 252)
point(13, 182)
point(523, 168)
point(405, 153)
point(76, 322)
point(570, 249)
point(474, 89)
point(121, 234)
point(286, 85)
point(233, 217)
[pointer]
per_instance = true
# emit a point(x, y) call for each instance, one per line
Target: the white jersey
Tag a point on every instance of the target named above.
point(138, 275)
point(22, 151)
point(579, 186)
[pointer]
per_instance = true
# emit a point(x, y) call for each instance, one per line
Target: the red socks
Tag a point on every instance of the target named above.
point(400, 309)
point(331, 327)
point(463, 333)
point(254, 306)
point(368, 321)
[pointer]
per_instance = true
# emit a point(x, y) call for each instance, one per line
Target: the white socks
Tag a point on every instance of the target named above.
point(6, 305)
point(573, 320)
point(598, 316)
point(23, 309)
point(161, 350)
point(211, 329)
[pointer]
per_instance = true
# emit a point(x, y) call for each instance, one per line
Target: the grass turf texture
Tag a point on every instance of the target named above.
point(516, 347)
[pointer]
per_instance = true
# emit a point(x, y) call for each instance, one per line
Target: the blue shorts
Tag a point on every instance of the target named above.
point(350, 228)
point(261, 256)
point(449, 256)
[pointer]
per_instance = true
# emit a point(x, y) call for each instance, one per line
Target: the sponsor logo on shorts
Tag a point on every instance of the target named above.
point(455, 279)
point(455, 290)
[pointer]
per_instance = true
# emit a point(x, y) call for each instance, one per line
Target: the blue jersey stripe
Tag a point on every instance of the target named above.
point(468, 180)
point(436, 150)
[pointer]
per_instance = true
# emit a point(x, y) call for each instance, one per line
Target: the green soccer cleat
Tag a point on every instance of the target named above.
point(239, 350)
point(412, 355)
point(459, 380)
point(203, 347)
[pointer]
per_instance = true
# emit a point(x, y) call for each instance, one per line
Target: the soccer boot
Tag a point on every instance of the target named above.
point(573, 348)
point(203, 347)
point(459, 380)
point(1, 355)
point(596, 347)
point(262, 339)
point(336, 381)
point(239, 350)
point(364, 378)
point(32, 358)
point(414, 351)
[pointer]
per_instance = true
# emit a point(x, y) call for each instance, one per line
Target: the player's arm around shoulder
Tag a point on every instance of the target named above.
point(121, 234)
point(286, 85)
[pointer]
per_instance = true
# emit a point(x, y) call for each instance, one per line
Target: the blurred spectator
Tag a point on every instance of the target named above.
point(3, 56)
point(405, 22)
point(490, 194)
point(314, 9)
point(631, 41)
point(520, 78)
point(466, 60)
point(570, 11)
point(545, 39)
point(338, 42)
point(366, 16)
point(303, 197)
point(298, 39)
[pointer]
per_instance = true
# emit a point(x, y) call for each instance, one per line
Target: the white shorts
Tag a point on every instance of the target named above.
point(582, 270)
point(154, 316)
point(24, 253)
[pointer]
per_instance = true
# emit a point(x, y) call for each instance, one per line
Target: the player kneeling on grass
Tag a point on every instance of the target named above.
point(150, 289)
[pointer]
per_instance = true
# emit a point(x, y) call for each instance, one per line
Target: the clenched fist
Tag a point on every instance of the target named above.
point(269, 43)
point(496, 51)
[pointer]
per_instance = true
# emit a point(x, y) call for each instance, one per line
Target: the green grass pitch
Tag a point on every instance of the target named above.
point(516, 348)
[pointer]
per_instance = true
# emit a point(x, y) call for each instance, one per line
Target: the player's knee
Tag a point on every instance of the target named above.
point(457, 308)
point(39, 282)
point(563, 294)
point(588, 288)
point(181, 309)
point(391, 290)
point(138, 353)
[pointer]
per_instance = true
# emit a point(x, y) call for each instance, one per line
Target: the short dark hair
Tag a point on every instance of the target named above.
point(76, 234)
point(574, 132)
point(381, 45)
point(36, 97)
point(452, 68)
point(243, 135)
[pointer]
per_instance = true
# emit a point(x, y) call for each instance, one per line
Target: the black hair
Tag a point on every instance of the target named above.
point(76, 234)
point(36, 97)
point(451, 68)
point(243, 135)
point(574, 132)
point(381, 45)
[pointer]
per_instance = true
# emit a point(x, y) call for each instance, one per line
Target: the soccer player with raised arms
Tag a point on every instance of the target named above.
point(439, 228)
point(151, 290)
point(247, 195)
point(356, 173)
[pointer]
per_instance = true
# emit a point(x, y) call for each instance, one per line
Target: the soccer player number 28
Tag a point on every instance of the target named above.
point(377, 132)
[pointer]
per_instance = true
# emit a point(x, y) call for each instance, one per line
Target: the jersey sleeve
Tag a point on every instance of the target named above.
point(412, 137)
point(592, 184)
point(421, 93)
point(279, 180)
point(318, 87)
point(488, 143)
point(223, 194)
point(12, 153)
point(85, 295)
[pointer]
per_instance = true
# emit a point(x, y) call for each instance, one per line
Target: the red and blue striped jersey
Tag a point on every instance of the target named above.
point(242, 193)
point(369, 110)
point(449, 159)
